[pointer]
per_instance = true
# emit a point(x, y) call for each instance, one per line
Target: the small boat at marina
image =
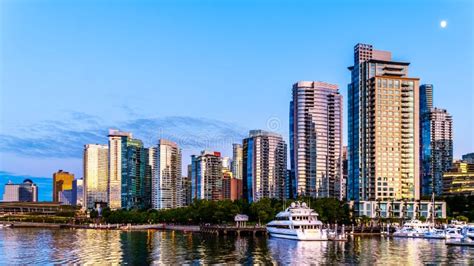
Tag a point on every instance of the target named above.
point(434, 233)
point(413, 228)
point(298, 222)
point(468, 230)
point(464, 241)
point(5, 225)
point(453, 233)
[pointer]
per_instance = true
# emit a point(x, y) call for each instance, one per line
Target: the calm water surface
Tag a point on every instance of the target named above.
point(40, 246)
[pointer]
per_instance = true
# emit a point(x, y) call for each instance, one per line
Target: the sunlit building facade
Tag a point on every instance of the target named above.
point(79, 192)
point(316, 139)
point(167, 180)
point(96, 174)
point(459, 180)
point(383, 128)
point(206, 176)
point(264, 166)
point(62, 180)
point(237, 160)
point(226, 183)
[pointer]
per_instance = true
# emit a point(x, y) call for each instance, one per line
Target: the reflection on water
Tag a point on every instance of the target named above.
point(40, 246)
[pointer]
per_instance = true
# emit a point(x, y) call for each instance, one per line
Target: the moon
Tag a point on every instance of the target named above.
point(443, 24)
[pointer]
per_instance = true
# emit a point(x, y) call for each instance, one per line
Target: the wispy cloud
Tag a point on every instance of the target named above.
point(66, 138)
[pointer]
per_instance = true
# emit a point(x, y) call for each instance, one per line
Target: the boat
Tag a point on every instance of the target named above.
point(5, 225)
point(297, 222)
point(454, 233)
point(434, 233)
point(469, 230)
point(464, 241)
point(413, 228)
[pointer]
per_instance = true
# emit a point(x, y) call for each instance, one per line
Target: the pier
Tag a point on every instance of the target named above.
point(233, 230)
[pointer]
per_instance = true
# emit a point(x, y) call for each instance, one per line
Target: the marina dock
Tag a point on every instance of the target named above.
point(233, 230)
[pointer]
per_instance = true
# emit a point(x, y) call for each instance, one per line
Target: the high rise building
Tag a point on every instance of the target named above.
point(436, 149)
point(426, 98)
point(24, 192)
point(383, 128)
point(236, 189)
point(187, 186)
point(227, 163)
point(226, 184)
point(187, 196)
point(468, 158)
point(79, 192)
point(237, 161)
point(167, 180)
point(150, 173)
point(264, 166)
point(344, 172)
point(62, 180)
point(459, 180)
point(96, 174)
point(128, 161)
point(206, 176)
point(69, 196)
point(316, 139)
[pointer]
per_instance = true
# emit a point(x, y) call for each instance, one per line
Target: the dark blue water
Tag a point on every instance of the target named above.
point(41, 246)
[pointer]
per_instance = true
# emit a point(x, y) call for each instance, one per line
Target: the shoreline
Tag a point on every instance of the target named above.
point(130, 227)
point(122, 227)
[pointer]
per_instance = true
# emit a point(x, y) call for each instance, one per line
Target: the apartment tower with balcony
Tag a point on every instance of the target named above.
point(383, 128)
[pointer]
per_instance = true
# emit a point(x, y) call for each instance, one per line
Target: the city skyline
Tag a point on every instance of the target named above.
point(72, 125)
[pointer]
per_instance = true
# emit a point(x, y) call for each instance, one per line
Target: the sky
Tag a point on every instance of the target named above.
point(202, 73)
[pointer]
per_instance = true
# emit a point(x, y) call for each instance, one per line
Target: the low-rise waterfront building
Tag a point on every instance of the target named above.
point(400, 209)
point(44, 208)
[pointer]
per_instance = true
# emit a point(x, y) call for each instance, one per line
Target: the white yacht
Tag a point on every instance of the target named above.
point(413, 228)
point(469, 230)
point(454, 233)
point(297, 222)
point(434, 233)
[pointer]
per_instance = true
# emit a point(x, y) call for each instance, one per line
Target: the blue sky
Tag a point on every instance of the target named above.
point(203, 72)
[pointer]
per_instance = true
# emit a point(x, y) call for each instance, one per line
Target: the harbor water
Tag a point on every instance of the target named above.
point(86, 246)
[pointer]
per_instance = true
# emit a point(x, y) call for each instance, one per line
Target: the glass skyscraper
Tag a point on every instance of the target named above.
point(316, 140)
point(128, 161)
point(426, 98)
point(437, 149)
point(264, 166)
